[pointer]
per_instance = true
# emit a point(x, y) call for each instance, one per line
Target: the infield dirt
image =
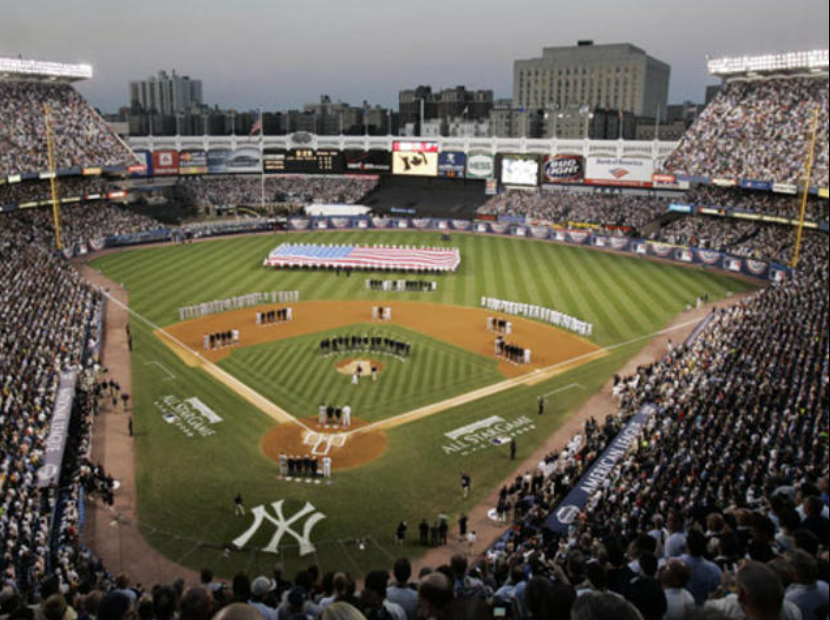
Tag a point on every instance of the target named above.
point(460, 326)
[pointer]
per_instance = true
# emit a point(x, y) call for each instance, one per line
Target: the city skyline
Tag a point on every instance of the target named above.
point(281, 56)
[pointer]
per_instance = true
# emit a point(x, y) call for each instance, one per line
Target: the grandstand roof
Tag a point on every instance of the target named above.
point(813, 61)
point(23, 68)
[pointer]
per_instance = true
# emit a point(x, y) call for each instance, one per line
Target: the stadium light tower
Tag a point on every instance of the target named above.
point(808, 61)
point(44, 69)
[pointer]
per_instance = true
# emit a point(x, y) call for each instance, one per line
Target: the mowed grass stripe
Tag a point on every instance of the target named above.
point(586, 298)
point(523, 272)
point(507, 270)
point(657, 301)
point(605, 276)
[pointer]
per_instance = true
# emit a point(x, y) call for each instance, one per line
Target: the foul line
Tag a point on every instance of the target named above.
point(170, 375)
point(251, 395)
point(563, 389)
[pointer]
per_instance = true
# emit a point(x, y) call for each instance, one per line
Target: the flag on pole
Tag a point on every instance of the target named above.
point(257, 127)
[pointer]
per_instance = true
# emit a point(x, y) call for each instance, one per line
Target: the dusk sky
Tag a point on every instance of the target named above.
point(283, 54)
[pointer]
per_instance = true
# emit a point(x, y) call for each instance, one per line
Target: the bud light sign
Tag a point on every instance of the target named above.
point(563, 169)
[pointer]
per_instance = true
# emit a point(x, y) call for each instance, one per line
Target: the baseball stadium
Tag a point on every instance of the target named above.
point(302, 360)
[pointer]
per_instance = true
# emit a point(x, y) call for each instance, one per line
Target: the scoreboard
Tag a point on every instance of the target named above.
point(304, 161)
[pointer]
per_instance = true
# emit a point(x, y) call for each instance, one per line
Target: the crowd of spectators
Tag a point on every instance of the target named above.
point(83, 225)
point(48, 325)
point(226, 191)
point(758, 130)
point(81, 137)
point(754, 240)
point(706, 232)
point(761, 202)
point(36, 191)
point(722, 501)
point(613, 210)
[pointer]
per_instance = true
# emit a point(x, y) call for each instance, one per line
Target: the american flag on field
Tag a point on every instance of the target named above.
point(364, 257)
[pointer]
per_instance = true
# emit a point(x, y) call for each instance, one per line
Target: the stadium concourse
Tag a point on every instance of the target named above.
point(718, 502)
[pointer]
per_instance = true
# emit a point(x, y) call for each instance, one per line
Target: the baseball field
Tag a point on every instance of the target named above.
point(209, 425)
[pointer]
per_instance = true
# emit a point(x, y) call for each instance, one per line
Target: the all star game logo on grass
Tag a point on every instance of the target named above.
point(493, 431)
point(191, 416)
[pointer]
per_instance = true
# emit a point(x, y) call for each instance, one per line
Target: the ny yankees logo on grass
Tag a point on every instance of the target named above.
point(283, 527)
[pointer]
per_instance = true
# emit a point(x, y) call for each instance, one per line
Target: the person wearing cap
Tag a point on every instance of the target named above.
point(260, 589)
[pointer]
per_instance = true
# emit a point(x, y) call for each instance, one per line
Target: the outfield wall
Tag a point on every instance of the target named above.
point(763, 270)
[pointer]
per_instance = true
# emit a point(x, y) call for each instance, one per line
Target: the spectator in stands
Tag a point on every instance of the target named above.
point(674, 576)
point(401, 592)
point(811, 597)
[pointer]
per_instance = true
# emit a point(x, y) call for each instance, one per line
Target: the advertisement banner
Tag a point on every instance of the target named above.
point(246, 159)
point(481, 165)
point(520, 170)
point(49, 473)
point(165, 163)
point(415, 163)
point(562, 169)
point(757, 185)
point(725, 182)
point(193, 162)
point(452, 164)
point(624, 172)
point(668, 181)
point(217, 160)
point(784, 188)
point(368, 162)
point(144, 167)
point(560, 521)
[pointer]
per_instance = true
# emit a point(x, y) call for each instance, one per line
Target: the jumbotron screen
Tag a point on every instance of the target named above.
point(519, 170)
point(304, 161)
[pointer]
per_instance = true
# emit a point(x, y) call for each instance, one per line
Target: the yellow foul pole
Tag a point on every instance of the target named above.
point(56, 209)
point(806, 191)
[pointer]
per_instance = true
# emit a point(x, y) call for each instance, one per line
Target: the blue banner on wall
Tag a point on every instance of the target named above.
point(574, 503)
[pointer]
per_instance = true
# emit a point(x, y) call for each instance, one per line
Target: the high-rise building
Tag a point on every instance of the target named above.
point(166, 94)
point(443, 105)
point(587, 76)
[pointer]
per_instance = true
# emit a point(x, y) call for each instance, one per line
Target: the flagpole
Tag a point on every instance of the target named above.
point(262, 158)
point(657, 124)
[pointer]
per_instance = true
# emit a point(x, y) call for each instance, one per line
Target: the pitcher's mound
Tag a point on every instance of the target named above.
point(354, 451)
point(349, 367)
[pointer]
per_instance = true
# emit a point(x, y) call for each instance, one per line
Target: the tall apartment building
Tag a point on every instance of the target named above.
point(166, 94)
point(446, 104)
point(611, 77)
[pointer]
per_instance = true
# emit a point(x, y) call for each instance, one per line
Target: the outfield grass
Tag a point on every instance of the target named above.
point(186, 484)
point(293, 374)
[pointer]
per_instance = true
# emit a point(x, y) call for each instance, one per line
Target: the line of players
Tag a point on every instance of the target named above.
point(327, 414)
point(280, 315)
point(511, 352)
point(306, 466)
point(219, 340)
point(377, 344)
point(501, 326)
point(410, 286)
